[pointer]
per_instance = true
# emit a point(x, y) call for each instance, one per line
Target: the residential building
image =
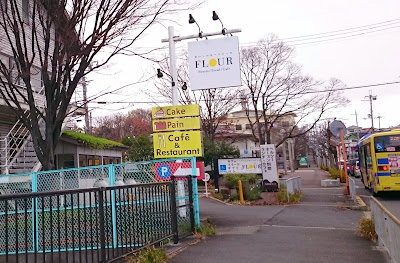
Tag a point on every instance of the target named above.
point(237, 130)
point(17, 154)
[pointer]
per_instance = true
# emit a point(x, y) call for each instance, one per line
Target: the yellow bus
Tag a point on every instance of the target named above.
point(379, 155)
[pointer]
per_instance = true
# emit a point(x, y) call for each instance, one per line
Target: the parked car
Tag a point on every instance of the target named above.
point(354, 168)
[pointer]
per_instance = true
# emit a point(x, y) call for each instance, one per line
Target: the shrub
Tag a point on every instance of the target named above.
point(366, 228)
point(325, 168)
point(233, 198)
point(335, 173)
point(218, 196)
point(232, 179)
point(254, 194)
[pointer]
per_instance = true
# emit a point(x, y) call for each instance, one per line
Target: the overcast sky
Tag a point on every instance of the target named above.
point(356, 41)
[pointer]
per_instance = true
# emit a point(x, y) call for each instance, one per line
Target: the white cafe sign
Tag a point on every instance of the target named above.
point(214, 63)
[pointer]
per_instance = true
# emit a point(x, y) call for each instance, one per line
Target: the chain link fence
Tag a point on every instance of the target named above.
point(58, 211)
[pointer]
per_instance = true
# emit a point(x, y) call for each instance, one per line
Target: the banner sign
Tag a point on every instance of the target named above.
point(269, 169)
point(176, 124)
point(175, 111)
point(177, 144)
point(214, 63)
point(239, 166)
point(165, 170)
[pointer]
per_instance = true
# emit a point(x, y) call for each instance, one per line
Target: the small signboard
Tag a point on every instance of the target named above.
point(394, 163)
point(165, 170)
point(175, 111)
point(269, 169)
point(180, 124)
point(238, 166)
point(177, 144)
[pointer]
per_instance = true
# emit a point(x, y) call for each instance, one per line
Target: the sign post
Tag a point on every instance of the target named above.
point(206, 179)
point(268, 167)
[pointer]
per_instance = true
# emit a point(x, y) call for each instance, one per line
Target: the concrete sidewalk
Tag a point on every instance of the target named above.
point(318, 229)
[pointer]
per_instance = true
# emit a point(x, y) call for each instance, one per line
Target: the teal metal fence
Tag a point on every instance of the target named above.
point(34, 210)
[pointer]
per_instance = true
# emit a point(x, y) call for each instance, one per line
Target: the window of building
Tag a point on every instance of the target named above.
point(248, 126)
point(65, 161)
point(105, 160)
point(90, 160)
point(36, 79)
point(82, 160)
point(238, 127)
point(97, 160)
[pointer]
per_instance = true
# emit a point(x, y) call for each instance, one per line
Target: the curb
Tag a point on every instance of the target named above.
point(360, 202)
point(360, 205)
point(174, 249)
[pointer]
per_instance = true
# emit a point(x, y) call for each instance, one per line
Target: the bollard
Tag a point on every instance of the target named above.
point(241, 191)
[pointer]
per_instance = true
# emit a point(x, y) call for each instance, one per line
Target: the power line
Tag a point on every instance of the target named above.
point(345, 32)
point(371, 26)
point(307, 92)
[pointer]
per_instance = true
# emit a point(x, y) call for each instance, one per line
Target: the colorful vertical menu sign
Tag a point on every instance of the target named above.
point(176, 131)
point(268, 167)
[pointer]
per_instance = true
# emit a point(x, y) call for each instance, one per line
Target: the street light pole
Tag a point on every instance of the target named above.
point(172, 59)
point(172, 55)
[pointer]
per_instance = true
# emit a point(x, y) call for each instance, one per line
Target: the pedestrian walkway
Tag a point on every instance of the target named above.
point(318, 229)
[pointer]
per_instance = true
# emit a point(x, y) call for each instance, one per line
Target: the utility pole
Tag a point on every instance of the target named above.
point(358, 131)
point(370, 99)
point(84, 86)
point(379, 121)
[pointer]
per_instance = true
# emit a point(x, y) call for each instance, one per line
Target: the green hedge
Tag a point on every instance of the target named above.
point(232, 179)
point(335, 173)
point(325, 168)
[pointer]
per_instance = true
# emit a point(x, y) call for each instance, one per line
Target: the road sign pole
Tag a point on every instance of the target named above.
point(345, 160)
point(340, 168)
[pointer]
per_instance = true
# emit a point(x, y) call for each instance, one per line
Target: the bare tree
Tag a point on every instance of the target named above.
point(215, 104)
point(115, 127)
point(63, 38)
point(277, 86)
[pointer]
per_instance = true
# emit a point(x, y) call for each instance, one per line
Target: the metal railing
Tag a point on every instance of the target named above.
point(17, 138)
point(292, 185)
point(94, 224)
point(387, 227)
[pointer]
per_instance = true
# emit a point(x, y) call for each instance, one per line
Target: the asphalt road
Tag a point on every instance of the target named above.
point(318, 229)
point(390, 200)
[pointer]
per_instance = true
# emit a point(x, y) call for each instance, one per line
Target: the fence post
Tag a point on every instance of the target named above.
point(35, 234)
point(195, 192)
point(111, 175)
point(101, 226)
point(191, 208)
point(174, 217)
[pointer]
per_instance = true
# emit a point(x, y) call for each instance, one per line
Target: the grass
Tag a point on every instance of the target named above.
point(206, 229)
point(93, 142)
point(366, 228)
point(294, 198)
point(218, 196)
point(148, 255)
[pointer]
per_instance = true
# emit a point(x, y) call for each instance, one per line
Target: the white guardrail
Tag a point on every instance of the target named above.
point(387, 227)
point(352, 187)
point(291, 184)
